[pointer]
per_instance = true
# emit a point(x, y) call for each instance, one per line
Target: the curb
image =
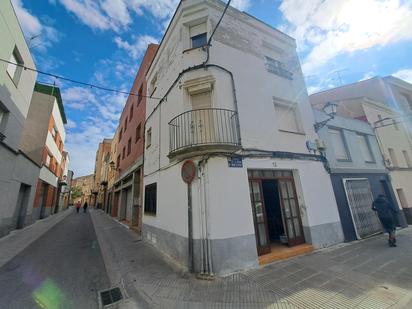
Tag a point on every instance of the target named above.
point(15, 242)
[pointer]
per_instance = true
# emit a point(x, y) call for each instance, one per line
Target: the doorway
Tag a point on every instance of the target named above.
point(43, 198)
point(275, 210)
point(22, 203)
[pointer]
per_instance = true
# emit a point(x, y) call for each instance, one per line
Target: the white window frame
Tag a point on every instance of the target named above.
point(294, 108)
point(48, 160)
point(365, 139)
point(407, 158)
point(393, 158)
point(13, 70)
point(344, 142)
point(149, 137)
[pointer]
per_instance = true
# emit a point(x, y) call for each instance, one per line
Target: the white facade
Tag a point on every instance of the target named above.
point(223, 220)
point(18, 174)
point(391, 130)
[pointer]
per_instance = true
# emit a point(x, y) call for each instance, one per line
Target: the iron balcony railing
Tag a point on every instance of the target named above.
point(204, 127)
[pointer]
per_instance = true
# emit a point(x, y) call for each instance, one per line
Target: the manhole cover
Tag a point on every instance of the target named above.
point(111, 296)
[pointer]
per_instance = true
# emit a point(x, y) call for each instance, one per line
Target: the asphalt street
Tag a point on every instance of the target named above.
point(62, 269)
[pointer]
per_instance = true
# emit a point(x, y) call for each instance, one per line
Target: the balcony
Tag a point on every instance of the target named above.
point(204, 130)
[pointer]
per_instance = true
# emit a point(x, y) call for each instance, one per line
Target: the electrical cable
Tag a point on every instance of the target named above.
point(78, 82)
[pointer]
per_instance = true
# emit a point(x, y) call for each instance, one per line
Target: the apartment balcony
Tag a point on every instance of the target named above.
point(204, 131)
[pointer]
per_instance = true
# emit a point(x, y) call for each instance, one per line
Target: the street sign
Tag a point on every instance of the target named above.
point(235, 162)
point(188, 171)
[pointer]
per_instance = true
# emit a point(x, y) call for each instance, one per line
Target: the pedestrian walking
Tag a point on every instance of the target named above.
point(387, 215)
point(77, 207)
point(85, 207)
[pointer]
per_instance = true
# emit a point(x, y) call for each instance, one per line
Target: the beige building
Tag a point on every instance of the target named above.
point(386, 103)
point(85, 185)
point(100, 181)
point(112, 173)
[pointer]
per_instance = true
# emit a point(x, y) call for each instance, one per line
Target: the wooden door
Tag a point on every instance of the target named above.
point(290, 212)
point(259, 217)
point(203, 119)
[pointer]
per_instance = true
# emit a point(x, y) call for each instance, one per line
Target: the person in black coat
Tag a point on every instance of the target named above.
point(387, 215)
point(85, 206)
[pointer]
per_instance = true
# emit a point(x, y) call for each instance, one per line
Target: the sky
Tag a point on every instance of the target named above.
point(103, 41)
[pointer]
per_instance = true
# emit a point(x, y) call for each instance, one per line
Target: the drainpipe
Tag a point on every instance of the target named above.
point(206, 247)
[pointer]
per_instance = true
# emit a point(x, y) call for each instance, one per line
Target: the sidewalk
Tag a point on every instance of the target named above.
point(15, 242)
point(365, 274)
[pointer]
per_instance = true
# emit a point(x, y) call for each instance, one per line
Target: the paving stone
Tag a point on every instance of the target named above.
point(349, 276)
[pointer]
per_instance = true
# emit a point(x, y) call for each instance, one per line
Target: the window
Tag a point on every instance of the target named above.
point(118, 161)
point(138, 132)
point(13, 70)
point(54, 133)
point(287, 117)
point(338, 145)
point(149, 137)
point(407, 159)
point(365, 148)
point(124, 152)
point(131, 113)
point(3, 117)
point(198, 35)
point(201, 100)
point(150, 203)
point(140, 95)
point(120, 133)
point(153, 85)
point(129, 146)
point(402, 198)
point(48, 160)
point(199, 40)
point(125, 124)
point(276, 67)
point(392, 155)
point(407, 100)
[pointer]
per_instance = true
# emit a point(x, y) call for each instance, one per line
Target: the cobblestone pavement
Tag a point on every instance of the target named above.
point(365, 274)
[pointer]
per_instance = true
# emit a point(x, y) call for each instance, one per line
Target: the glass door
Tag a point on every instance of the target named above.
point(259, 217)
point(290, 212)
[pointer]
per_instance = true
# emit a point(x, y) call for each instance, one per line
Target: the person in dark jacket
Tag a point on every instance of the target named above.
point(85, 206)
point(387, 216)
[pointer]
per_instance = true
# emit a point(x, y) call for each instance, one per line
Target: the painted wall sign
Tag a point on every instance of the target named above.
point(188, 171)
point(235, 162)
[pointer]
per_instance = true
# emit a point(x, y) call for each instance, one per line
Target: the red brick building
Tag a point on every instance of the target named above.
point(127, 197)
point(43, 142)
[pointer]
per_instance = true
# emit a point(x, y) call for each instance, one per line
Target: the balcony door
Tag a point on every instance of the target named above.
point(202, 125)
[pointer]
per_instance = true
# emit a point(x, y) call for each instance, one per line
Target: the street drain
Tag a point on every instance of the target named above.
point(111, 296)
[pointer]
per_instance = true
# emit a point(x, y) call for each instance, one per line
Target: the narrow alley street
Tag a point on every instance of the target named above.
point(86, 253)
point(62, 269)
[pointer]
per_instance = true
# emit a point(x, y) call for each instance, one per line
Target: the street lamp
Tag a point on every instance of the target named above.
point(330, 110)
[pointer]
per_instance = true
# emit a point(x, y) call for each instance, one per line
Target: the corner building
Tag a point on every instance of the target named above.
point(241, 114)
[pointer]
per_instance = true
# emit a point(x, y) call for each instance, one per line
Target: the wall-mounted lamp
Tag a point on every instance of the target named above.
point(330, 110)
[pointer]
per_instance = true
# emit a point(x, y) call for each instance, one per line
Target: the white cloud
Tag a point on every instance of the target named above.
point(89, 12)
point(241, 5)
point(99, 120)
point(70, 124)
point(39, 36)
point(368, 75)
point(78, 97)
point(136, 48)
point(327, 28)
point(404, 74)
point(116, 14)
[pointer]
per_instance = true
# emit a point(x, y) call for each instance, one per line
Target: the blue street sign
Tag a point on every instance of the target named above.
point(235, 162)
